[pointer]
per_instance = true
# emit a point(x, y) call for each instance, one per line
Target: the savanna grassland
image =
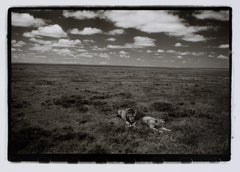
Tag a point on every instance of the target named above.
point(71, 109)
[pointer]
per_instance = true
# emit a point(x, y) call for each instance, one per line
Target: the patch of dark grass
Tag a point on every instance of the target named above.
point(180, 113)
point(27, 136)
point(101, 97)
point(125, 95)
point(106, 109)
point(189, 135)
point(20, 115)
point(83, 109)
point(76, 101)
point(21, 104)
point(44, 82)
point(162, 106)
point(98, 149)
point(124, 104)
point(99, 103)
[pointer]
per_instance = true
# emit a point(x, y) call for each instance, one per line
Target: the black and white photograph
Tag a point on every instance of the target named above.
point(119, 81)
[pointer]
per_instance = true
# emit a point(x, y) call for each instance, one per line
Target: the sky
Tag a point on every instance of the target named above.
point(157, 38)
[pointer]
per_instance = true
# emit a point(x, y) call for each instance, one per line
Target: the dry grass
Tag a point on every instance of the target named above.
point(70, 109)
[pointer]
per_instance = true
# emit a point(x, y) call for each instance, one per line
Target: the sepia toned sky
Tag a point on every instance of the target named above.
point(162, 38)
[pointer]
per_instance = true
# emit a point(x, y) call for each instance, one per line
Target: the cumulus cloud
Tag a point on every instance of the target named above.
point(178, 44)
point(87, 55)
point(111, 39)
point(55, 31)
point(15, 49)
point(222, 57)
point(160, 51)
point(102, 63)
point(64, 52)
point(80, 15)
point(40, 48)
point(198, 53)
point(222, 15)
point(66, 43)
point(81, 50)
point(149, 51)
point(116, 32)
point(123, 52)
point(88, 40)
point(85, 31)
point(59, 43)
point(40, 41)
point(194, 38)
point(210, 55)
point(104, 55)
point(223, 46)
point(139, 42)
point(96, 48)
point(156, 22)
point(184, 53)
point(171, 51)
point(179, 57)
point(17, 43)
point(26, 20)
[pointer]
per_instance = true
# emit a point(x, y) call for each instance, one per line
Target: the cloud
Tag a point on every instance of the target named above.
point(139, 42)
point(178, 44)
point(40, 41)
point(179, 57)
point(104, 55)
point(88, 55)
point(123, 52)
point(223, 46)
point(26, 20)
point(96, 48)
point(41, 48)
point(149, 51)
point(156, 22)
point(143, 41)
point(103, 63)
point(80, 15)
point(116, 32)
point(64, 52)
point(55, 31)
point(160, 51)
point(222, 57)
point(81, 50)
point(66, 43)
point(198, 53)
point(222, 15)
point(15, 49)
point(194, 38)
point(88, 40)
point(139, 59)
point(85, 31)
point(184, 53)
point(171, 51)
point(111, 39)
point(124, 56)
point(59, 43)
point(210, 55)
point(18, 43)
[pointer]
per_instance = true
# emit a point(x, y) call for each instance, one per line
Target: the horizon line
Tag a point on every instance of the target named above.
point(106, 65)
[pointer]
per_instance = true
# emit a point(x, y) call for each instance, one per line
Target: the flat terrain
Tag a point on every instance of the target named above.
point(70, 109)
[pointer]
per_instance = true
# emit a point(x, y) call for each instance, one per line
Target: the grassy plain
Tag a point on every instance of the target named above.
point(69, 109)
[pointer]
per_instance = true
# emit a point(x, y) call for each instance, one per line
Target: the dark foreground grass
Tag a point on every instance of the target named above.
point(70, 109)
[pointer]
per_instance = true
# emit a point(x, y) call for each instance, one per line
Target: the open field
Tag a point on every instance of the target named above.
point(69, 109)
